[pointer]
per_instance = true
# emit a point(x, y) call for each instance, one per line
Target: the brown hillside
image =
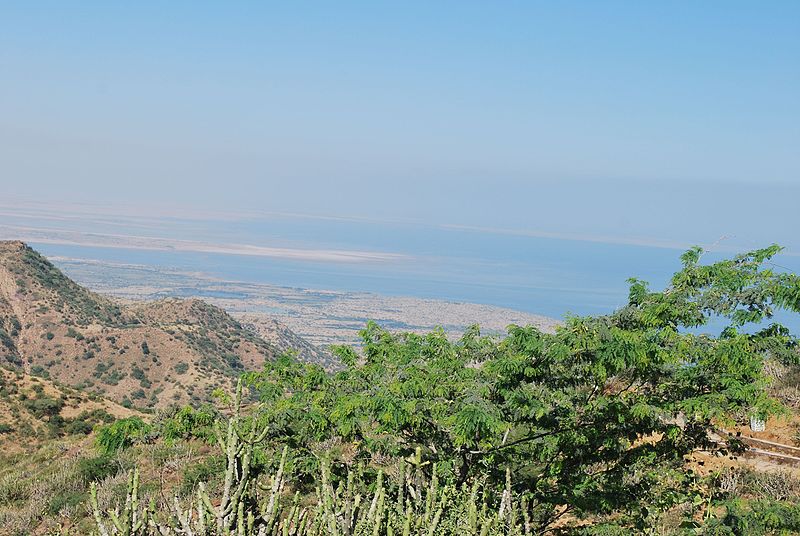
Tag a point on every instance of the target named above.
point(35, 410)
point(145, 355)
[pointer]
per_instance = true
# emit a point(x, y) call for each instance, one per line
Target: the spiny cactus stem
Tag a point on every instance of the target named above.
point(96, 510)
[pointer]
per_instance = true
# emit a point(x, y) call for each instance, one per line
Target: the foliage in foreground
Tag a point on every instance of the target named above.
point(596, 418)
point(593, 421)
point(249, 505)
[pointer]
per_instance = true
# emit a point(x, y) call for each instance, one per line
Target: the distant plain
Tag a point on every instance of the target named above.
point(324, 277)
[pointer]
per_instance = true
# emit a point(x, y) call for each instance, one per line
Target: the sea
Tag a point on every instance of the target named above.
point(555, 277)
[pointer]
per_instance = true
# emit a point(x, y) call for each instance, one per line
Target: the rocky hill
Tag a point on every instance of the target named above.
point(286, 340)
point(141, 355)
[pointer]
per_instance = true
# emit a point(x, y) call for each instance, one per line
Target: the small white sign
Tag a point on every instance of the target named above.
point(757, 425)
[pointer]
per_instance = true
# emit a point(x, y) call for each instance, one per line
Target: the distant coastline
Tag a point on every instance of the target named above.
point(148, 243)
point(323, 317)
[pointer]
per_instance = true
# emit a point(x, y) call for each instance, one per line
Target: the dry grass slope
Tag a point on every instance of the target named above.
point(143, 355)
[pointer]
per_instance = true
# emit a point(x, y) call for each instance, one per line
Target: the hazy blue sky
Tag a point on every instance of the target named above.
point(669, 121)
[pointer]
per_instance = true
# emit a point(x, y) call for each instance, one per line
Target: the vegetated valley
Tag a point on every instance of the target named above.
point(171, 417)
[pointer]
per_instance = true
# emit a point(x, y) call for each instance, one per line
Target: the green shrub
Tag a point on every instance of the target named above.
point(38, 370)
point(97, 468)
point(79, 427)
point(188, 422)
point(121, 434)
point(44, 406)
point(756, 518)
point(137, 373)
point(71, 332)
point(208, 470)
point(64, 500)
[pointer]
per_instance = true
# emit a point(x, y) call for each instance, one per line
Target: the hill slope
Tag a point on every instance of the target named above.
point(145, 355)
point(35, 410)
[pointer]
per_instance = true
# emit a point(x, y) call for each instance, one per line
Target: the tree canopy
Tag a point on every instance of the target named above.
point(594, 418)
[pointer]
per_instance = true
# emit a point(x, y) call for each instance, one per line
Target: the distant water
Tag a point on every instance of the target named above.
point(552, 277)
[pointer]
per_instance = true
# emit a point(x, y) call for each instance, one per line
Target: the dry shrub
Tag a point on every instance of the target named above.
point(773, 485)
point(110, 492)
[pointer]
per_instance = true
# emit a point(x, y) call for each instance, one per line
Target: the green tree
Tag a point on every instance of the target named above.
point(121, 434)
point(595, 418)
point(188, 422)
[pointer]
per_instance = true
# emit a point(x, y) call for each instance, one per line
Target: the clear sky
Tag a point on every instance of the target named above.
point(668, 120)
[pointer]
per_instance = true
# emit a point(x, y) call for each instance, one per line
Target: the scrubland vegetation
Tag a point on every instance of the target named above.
point(587, 430)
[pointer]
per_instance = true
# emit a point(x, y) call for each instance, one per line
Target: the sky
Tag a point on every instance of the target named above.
point(644, 121)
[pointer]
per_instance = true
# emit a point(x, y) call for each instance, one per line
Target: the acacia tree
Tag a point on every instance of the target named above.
point(594, 418)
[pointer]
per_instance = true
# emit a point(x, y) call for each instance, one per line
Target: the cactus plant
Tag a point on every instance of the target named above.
point(416, 506)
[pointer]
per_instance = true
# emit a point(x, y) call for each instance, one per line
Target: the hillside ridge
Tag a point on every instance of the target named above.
point(144, 355)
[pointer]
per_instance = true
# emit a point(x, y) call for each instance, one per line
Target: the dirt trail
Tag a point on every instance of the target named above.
point(8, 290)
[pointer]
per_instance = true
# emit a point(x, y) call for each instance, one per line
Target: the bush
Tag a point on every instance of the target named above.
point(97, 468)
point(189, 423)
point(757, 518)
point(38, 370)
point(205, 471)
point(121, 434)
point(772, 485)
point(44, 406)
point(137, 373)
point(64, 500)
point(74, 334)
point(78, 427)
